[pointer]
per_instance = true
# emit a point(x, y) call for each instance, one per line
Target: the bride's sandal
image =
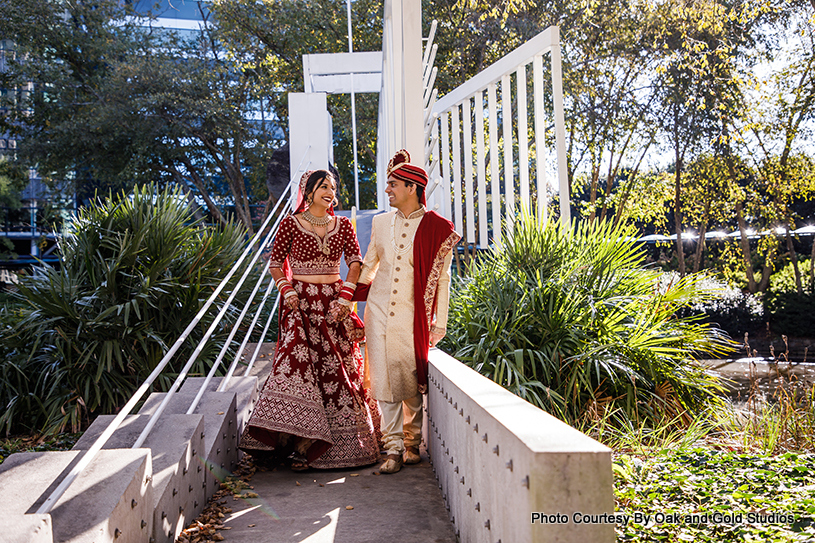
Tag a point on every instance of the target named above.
point(298, 462)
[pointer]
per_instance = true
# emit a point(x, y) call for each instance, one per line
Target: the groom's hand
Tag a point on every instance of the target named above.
point(435, 337)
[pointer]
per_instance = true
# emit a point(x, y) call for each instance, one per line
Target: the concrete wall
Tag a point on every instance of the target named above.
point(499, 460)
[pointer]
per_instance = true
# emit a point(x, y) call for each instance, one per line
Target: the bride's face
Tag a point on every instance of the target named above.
point(323, 195)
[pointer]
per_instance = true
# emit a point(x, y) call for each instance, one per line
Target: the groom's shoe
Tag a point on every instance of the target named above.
point(411, 455)
point(392, 464)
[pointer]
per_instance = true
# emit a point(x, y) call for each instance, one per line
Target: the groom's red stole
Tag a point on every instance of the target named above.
point(434, 239)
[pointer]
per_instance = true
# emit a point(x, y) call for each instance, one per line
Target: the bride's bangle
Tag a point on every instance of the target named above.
point(284, 288)
point(347, 292)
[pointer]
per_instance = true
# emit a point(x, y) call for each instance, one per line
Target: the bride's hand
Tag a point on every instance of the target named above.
point(337, 312)
point(292, 302)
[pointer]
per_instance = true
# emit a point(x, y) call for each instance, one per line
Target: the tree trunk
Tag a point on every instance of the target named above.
point(595, 177)
point(766, 272)
point(680, 251)
point(744, 243)
point(196, 209)
point(700, 241)
point(700, 248)
point(793, 258)
point(199, 184)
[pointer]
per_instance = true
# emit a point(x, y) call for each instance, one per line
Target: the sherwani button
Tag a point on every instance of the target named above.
point(391, 313)
point(401, 245)
point(398, 268)
point(395, 291)
point(396, 280)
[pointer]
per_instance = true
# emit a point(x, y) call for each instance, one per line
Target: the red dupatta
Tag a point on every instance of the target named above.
point(435, 238)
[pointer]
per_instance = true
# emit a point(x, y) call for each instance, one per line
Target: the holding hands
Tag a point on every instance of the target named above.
point(337, 312)
point(340, 308)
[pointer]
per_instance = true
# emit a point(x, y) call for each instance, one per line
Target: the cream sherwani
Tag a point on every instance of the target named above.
point(388, 268)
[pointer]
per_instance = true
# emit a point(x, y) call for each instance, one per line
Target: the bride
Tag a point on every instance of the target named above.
point(313, 405)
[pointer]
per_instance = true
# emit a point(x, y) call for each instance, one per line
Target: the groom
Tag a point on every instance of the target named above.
point(407, 270)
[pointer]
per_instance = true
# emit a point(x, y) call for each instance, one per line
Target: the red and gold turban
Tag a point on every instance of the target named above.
point(400, 168)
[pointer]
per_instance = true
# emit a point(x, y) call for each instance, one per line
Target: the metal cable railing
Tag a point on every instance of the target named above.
point(194, 356)
point(100, 442)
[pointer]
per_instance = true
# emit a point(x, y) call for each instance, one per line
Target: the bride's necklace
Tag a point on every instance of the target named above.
point(316, 221)
point(396, 248)
point(322, 242)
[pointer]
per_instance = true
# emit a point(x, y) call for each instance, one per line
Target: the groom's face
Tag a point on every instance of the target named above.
point(399, 194)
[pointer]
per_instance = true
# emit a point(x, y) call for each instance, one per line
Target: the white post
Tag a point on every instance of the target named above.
point(353, 109)
point(445, 156)
point(540, 138)
point(523, 136)
point(481, 174)
point(412, 107)
point(509, 168)
point(560, 134)
point(469, 210)
point(495, 183)
point(308, 122)
point(455, 178)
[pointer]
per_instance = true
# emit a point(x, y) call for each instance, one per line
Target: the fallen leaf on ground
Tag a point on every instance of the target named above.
point(349, 507)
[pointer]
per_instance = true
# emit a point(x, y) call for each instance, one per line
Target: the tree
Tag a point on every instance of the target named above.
point(116, 102)
point(271, 37)
point(13, 180)
point(782, 123)
point(134, 272)
point(698, 80)
point(708, 200)
point(609, 101)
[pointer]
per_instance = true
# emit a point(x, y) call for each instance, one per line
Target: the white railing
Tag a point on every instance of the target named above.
point(477, 198)
point(252, 246)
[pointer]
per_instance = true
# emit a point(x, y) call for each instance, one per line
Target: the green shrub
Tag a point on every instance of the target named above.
point(784, 279)
point(789, 312)
point(728, 308)
point(570, 320)
point(135, 271)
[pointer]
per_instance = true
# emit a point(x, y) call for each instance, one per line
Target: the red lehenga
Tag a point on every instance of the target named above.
point(315, 388)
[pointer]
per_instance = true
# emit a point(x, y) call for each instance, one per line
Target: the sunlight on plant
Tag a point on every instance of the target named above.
point(571, 320)
point(135, 269)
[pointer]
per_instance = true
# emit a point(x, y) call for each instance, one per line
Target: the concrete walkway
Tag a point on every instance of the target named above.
point(356, 505)
point(341, 506)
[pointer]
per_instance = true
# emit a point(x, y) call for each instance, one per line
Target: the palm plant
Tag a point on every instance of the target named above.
point(135, 270)
point(569, 319)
